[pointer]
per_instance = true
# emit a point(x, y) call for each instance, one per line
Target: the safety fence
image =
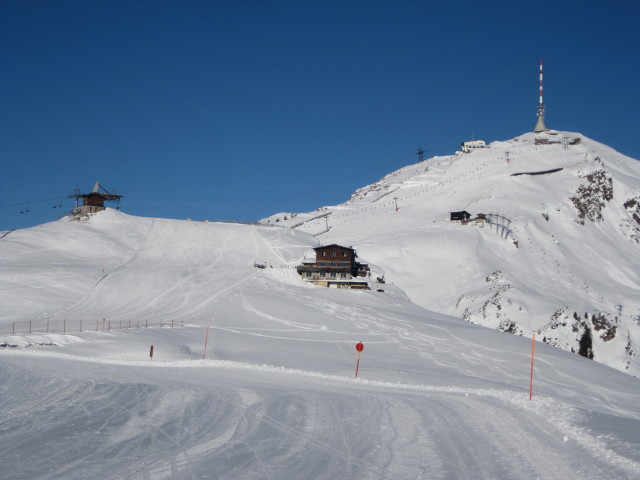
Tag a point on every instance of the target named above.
point(64, 326)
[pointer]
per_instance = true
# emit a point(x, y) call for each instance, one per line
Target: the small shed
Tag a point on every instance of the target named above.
point(460, 217)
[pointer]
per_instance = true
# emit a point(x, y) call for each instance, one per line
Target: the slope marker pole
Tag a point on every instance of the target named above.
point(533, 350)
point(359, 348)
point(206, 338)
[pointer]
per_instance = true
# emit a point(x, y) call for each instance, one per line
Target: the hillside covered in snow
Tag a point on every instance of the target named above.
point(251, 374)
point(553, 245)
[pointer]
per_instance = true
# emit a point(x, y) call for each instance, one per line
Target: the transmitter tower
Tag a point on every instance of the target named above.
point(540, 126)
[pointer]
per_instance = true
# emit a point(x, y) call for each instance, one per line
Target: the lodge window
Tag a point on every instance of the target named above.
point(333, 275)
point(343, 275)
point(308, 274)
point(334, 254)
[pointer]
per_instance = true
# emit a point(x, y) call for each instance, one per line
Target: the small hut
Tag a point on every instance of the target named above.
point(460, 217)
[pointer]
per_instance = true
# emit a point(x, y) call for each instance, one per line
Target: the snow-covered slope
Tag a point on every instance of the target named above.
point(119, 266)
point(559, 254)
point(436, 397)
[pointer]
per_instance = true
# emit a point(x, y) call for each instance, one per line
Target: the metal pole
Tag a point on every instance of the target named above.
point(206, 338)
point(533, 349)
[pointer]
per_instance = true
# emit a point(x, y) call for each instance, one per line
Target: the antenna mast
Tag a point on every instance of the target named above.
point(540, 127)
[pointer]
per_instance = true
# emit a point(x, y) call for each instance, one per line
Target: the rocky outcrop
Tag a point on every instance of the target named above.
point(586, 335)
point(631, 227)
point(592, 197)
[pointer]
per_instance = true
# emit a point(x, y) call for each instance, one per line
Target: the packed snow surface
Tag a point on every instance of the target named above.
point(274, 395)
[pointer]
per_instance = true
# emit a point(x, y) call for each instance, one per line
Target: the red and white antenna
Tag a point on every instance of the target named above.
point(541, 102)
point(540, 127)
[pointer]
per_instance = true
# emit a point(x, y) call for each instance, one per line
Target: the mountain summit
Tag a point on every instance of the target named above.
point(549, 240)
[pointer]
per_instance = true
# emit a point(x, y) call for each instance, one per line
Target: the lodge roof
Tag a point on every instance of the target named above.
point(334, 245)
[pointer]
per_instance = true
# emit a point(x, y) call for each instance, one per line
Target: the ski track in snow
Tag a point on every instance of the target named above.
point(209, 419)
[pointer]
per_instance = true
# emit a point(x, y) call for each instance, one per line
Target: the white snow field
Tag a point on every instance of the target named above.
point(559, 254)
point(436, 397)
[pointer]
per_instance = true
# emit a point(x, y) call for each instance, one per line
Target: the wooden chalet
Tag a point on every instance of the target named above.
point(335, 266)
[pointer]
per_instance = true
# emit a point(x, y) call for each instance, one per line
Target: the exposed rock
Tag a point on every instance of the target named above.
point(631, 227)
point(592, 197)
point(602, 321)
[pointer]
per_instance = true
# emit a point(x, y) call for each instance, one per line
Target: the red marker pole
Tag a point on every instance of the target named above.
point(151, 352)
point(359, 348)
point(533, 349)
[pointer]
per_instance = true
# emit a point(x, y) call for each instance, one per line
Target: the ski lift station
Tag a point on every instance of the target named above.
point(471, 145)
point(93, 202)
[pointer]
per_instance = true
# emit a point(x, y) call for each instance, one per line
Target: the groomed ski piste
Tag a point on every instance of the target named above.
point(276, 396)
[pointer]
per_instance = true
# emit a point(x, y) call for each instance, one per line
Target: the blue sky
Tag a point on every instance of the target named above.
point(241, 109)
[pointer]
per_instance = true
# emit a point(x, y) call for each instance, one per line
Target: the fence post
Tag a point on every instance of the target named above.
point(80, 325)
point(120, 325)
point(129, 324)
point(14, 328)
point(64, 326)
point(171, 323)
point(96, 324)
point(109, 325)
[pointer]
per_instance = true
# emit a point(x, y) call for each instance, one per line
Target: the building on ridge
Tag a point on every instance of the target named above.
point(93, 202)
point(335, 266)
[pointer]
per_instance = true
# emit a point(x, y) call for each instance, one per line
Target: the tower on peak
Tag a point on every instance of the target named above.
point(540, 126)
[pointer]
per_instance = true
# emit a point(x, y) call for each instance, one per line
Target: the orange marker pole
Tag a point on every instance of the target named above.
point(533, 350)
point(206, 339)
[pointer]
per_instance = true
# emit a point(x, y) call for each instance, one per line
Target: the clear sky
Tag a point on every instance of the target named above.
point(240, 109)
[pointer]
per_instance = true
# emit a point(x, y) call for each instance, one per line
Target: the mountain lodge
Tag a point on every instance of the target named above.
point(335, 266)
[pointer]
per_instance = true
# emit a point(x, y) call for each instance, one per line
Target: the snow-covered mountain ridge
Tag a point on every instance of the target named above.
point(556, 250)
point(258, 379)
